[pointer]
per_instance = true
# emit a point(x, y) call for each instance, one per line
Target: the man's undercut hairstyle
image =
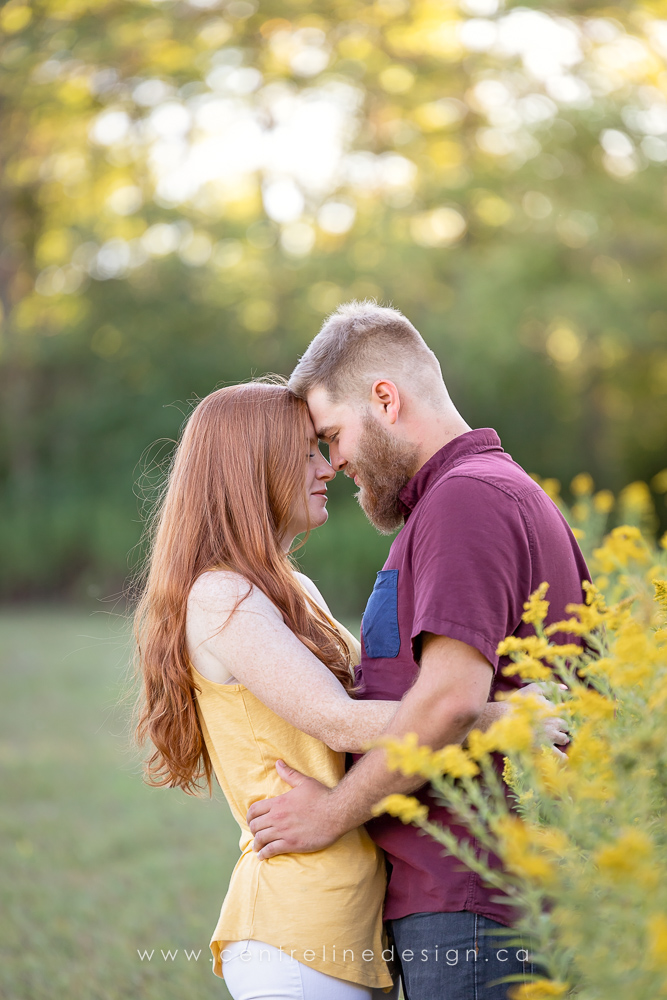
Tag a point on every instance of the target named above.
point(360, 343)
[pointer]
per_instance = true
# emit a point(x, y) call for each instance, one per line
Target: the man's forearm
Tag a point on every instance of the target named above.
point(369, 780)
point(493, 710)
point(443, 705)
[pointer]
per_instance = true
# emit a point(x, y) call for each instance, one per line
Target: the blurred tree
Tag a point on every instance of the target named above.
point(189, 188)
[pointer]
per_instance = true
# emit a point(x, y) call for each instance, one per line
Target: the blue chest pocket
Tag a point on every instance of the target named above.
point(380, 622)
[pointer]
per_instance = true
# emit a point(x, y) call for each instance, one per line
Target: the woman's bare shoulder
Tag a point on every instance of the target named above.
point(222, 590)
point(308, 585)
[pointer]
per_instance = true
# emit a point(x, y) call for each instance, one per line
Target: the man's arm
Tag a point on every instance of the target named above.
point(442, 706)
point(551, 730)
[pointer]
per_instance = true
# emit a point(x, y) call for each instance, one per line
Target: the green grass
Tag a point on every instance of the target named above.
point(96, 865)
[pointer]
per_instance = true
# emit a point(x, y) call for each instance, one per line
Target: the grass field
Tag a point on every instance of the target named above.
point(96, 866)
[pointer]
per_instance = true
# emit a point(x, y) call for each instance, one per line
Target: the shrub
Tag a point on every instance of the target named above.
point(583, 840)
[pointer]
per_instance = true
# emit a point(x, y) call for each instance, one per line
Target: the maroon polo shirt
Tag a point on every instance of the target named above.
point(479, 537)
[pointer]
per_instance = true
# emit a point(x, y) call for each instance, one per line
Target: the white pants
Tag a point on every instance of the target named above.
point(257, 971)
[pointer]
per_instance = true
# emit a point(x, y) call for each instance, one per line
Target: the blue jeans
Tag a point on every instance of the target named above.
point(453, 956)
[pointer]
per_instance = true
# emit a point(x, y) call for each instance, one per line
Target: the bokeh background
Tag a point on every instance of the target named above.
point(187, 189)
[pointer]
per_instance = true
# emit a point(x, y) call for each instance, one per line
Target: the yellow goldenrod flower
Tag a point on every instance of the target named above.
point(627, 855)
point(549, 839)
point(453, 760)
point(406, 755)
point(405, 807)
point(617, 616)
point(528, 668)
point(478, 745)
point(659, 697)
point(571, 625)
point(582, 485)
point(630, 675)
point(539, 989)
point(590, 705)
point(590, 615)
point(576, 833)
point(510, 774)
point(636, 496)
point(530, 645)
point(513, 830)
point(536, 608)
point(622, 546)
point(528, 706)
point(603, 667)
point(656, 927)
point(510, 733)
point(600, 788)
point(552, 488)
point(566, 650)
point(605, 559)
point(579, 534)
point(594, 598)
point(517, 849)
point(663, 541)
point(410, 758)
point(603, 501)
point(532, 866)
point(589, 619)
point(635, 655)
point(553, 773)
point(588, 748)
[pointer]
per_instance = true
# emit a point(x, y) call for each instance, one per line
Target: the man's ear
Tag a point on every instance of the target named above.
point(386, 400)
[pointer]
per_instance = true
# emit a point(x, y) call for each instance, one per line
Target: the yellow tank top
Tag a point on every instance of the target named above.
point(324, 908)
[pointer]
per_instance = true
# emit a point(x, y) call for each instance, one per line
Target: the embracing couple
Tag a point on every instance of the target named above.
point(248, 674)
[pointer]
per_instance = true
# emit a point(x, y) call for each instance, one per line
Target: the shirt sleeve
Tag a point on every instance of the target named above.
point(471, 565)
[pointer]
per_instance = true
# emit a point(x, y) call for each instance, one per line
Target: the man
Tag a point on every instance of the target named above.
point(478, 536)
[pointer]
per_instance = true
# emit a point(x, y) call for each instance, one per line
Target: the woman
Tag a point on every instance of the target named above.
point(243, 665)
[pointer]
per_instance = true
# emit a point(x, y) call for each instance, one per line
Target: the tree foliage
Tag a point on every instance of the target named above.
point(189, 188)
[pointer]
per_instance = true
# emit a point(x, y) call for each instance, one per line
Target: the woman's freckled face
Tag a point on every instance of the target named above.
point(318, 475)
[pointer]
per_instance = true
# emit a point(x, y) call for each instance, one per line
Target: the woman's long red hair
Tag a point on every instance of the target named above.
point(238, 475)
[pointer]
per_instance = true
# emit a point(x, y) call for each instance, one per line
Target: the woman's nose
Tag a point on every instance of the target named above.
point(325, 472)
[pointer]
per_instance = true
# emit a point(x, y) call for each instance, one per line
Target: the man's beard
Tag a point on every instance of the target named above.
point(383, 465)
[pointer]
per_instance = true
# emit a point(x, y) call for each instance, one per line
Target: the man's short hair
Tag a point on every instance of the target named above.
point(361, 342)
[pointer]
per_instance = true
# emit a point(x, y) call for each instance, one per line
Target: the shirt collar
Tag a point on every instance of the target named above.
point(471, 443)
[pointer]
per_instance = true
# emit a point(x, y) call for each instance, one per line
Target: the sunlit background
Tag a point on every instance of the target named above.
point(187, 190)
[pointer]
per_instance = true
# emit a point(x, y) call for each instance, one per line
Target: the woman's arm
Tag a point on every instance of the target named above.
point(260, 650)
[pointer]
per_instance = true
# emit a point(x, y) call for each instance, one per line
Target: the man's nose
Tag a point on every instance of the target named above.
point(337, 462)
